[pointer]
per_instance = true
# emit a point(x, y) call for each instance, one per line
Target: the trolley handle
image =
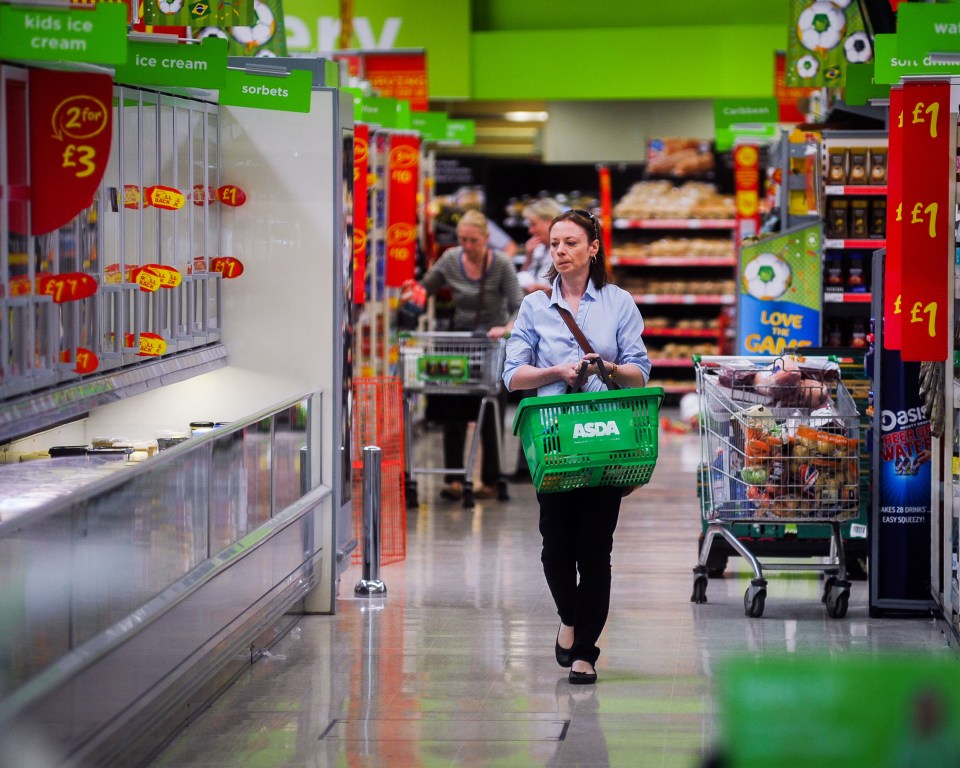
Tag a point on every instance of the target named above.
point(757, 359)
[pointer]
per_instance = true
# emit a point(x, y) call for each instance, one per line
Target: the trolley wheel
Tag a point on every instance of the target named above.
point(410, 494)
point(754, 598)
point(716, 567)
point(838, 599)
point(699, 590)
point(503, 492)
point(827, 586)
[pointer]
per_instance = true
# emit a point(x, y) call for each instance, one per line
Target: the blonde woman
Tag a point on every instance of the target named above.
point(486, 296)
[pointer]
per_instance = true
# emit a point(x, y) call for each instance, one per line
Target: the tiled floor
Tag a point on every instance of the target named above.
point(455, 667)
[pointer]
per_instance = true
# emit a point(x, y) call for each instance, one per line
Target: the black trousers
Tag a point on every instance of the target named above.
point(577, 528)
point(455, 412)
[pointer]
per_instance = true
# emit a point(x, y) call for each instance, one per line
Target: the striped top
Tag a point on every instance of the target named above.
point(501, 291)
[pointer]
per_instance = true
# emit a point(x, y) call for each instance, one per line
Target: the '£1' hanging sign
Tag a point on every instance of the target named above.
point(70, 118)
point(926, 220)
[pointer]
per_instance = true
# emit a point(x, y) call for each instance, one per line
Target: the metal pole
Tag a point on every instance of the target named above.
point(370, 584)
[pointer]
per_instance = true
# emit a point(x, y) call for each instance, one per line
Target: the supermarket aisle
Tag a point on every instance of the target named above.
point(455, 666)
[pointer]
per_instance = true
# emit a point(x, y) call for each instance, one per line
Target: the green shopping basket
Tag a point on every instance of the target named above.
point(590, 438)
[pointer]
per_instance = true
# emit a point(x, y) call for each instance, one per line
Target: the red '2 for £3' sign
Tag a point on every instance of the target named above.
point(926, 220)
point(70, 118)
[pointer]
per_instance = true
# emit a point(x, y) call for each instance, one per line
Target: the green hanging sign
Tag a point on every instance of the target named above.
point(357, 94)
point(201, 65)
point(286, 94)
point(96, 35)
point(432, 125)
point(924, 28)
point(755, 119)
point(862, 86)
point(387, 113)
point(892, 63)
point(463, 131)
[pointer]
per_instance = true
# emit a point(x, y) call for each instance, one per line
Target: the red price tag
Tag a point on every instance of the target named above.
point(232, 195)
point(167, 198)
point(203, 196)
point(148, 280)
point(151, 344)
point(87, 361)
point(131, 196)
point(71, 286)
point(228, 266)
point(169, 276)
point(20, 286)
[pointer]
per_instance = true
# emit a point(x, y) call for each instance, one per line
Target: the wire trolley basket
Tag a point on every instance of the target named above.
point(780, 443)
point(590, 438)
point(451, 362)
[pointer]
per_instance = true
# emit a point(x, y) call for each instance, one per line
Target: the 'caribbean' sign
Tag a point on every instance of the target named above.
point(97, 35)
point(781, 292)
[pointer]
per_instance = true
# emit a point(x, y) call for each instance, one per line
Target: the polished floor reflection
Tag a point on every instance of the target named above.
point(455, 667)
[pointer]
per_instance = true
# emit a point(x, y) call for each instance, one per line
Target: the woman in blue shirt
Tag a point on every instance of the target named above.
point(577, 526)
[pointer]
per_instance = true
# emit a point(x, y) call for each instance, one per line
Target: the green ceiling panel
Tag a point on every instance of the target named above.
point(689, 62)
point(516, 15)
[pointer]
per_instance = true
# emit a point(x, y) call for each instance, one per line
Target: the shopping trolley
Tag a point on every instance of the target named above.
point(779, 443)
point(451, 363)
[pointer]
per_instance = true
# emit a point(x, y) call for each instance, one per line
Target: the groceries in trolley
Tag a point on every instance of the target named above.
point(793, 457)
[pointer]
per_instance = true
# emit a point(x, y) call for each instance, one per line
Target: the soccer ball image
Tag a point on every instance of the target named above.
point(857, 48)
point(767, 277)
point(821, 26)
point(807, 66)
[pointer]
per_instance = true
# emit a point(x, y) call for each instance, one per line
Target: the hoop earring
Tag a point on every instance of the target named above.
point(593, 259)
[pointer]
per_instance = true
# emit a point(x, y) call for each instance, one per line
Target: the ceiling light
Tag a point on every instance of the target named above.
point(527, 117)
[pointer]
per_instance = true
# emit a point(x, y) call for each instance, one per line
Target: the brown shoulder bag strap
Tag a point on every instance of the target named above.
point(574, 329)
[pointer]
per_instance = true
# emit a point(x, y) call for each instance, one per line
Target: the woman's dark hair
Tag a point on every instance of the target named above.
point(590, 224)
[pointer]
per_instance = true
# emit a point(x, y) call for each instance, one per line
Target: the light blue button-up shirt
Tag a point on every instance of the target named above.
point(608, 317)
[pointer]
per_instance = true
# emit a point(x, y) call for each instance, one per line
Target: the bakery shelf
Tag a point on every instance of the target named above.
point(674, 224)
point(685, 333)
point(682, 298)
point(872, 244)
point(672, 362)
point(679, 389)
point(847, 298)
point(670, 261)
point(875, 190)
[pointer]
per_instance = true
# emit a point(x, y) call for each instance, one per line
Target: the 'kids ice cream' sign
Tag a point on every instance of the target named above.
point(780, 293)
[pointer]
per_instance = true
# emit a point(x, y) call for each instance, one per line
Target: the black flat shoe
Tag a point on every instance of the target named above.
point(582, 678)
point(564, 659)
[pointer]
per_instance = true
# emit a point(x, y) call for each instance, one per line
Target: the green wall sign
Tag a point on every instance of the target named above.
point(432, 125)
point(95, 36)
point(286, 94)
point(187, 66)
point(464, 131)
point(439, 26)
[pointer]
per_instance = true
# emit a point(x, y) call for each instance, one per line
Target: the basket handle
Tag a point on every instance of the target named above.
point(601, 372)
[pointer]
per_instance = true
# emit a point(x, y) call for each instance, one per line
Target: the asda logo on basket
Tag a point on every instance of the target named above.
point(595, 429)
